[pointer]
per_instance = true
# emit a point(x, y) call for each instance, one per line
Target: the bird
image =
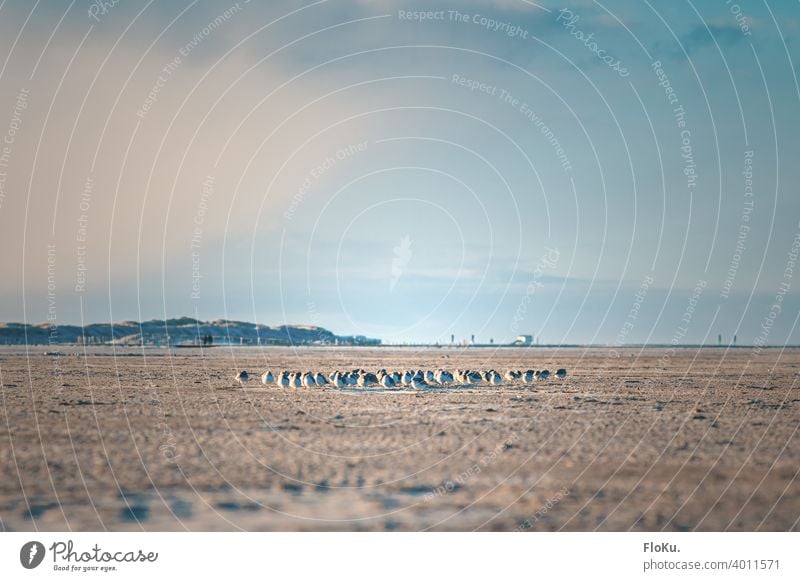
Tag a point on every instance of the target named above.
point(530, 375)
point(444, 377)
point(429, 376)
point(544, 374)
point(283, 379)
point(336, 380)
point(474, 376)
point(368, 380)
point(561, 373)
point(407, 377)
point(387, 381)
point(487, 375)
point(512, 375)
point(267, 378)
point(297, 381)
point(321, 380)
point(242, 377)
point(418, 382)
point(308, 379)
point(495, 378)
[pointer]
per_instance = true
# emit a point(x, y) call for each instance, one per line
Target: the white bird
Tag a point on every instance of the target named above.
point(417, 382)
point(444, 377)
point(495, 379)
point(297, 381)
point(544, 374)
point(321, 379)
point(242, 377)
point(407, 377)
point(367, 380)
point(387, 381)
point(530, 375)
point(474, 376)
point(337, 380)
point(429, 376)
point(284, 379)
point(308, 379)
point(267, 378)
point(561, 373)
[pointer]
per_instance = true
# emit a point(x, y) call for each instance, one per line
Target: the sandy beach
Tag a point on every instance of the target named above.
point(157, 439)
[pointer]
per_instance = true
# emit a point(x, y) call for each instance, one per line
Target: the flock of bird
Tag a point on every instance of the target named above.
point(411, 378)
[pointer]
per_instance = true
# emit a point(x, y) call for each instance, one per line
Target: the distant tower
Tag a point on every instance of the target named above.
point(472, 339)
point(734, 340)
point(491, 341)
point(719, 340)
point(452, 339)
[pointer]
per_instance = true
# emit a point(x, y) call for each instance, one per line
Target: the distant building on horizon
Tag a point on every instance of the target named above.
point(524, 340)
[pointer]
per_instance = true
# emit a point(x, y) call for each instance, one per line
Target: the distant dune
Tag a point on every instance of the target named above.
point(181, 331)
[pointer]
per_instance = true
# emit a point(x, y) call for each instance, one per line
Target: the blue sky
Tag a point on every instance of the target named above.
point(483, 173)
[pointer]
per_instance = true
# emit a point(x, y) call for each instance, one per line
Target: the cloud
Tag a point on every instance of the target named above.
point(700, 37)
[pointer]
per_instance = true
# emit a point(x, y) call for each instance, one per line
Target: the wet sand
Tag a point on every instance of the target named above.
point(133, 439)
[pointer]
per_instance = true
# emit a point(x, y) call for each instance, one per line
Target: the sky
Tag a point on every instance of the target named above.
point(583, 172)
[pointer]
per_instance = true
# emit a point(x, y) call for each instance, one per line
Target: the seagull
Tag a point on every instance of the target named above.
point(407, 377)
point(417, 382)
point(512, 375)
point(544, 374)
point(242, 377)
point(487, 375)
point(429, 376)
point(283, 379)
point(530, 375)
point(368, 380)
point(337, 380)
point(444, 377)
point(387, 381)
point(297, 381)
point(561, 373)
point(474, 376)
point(495, 378)
point(308, 379)
point(321, 379)
point(267, 378)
